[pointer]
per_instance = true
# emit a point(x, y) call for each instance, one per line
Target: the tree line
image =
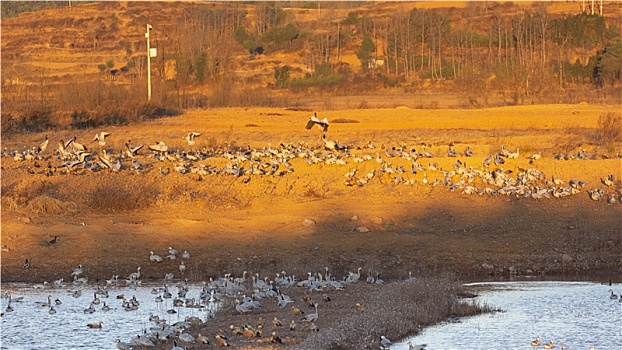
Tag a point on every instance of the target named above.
point(519, 56)
point(501, 52)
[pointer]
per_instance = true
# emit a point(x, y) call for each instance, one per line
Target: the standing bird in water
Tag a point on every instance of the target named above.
point(321, 124)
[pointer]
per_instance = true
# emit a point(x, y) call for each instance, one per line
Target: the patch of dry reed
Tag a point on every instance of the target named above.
point(9, 204)
point(50, 206)
point(396, 311)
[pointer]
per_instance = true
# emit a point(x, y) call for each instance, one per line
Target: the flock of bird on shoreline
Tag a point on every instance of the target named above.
point(489, 179)
point(247, 294)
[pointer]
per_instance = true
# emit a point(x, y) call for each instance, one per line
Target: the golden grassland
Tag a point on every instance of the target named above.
point(274, 205)
point(254, 223)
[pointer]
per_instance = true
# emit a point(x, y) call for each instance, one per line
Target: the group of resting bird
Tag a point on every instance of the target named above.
point(395, 165)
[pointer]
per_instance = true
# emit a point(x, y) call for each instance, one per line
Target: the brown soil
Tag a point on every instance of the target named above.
point(230, 226)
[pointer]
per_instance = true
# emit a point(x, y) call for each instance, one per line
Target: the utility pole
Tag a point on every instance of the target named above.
point(149, 27)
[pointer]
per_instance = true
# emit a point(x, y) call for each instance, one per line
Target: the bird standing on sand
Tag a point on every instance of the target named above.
point(274, 338)
point(159, 147)
point(77, 271)
point(297, 311)
point(359, 308)
point(201, 339)
point(27, 264)
point(182, 267)
point(220, 341)
point(155, 258)
point(311, 317)
point(385, 343)
point(130, 150)
point(43, 145)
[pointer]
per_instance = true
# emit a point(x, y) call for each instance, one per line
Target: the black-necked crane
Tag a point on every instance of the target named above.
point(101, 138)
point(159, 147)
point(190, 137)
point(43, 145)
point(321, 124)
point(130, 150)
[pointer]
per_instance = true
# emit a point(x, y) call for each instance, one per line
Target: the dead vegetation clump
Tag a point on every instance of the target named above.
point(9, 204)
point(610, 128)
point(50, 206)
point(344, 121)
point(112, 195)
point(223, 195)
point(396, 311)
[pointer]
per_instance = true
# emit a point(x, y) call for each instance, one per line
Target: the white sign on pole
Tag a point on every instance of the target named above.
point(153, 52)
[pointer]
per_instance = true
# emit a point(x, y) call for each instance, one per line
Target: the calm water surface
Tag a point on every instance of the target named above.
point(576, 314)
point(32, 327)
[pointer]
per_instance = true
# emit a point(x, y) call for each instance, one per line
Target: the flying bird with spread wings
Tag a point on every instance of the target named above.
point(321, 124)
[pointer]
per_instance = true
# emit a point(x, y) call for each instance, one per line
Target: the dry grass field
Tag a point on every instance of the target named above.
point(110, 221)
point(258, 218)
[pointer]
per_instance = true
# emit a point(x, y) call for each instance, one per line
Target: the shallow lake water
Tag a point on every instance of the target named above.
point(32, 327)
point(575, 314)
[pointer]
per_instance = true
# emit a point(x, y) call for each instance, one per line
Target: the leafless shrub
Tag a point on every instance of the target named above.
point(226, 95)
point(364, 105)
point(221, 139)
point(610, 128)
point(327, 103)
point(113, 195)
point(29, 121)
point(223, 195)
point(314, 191)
